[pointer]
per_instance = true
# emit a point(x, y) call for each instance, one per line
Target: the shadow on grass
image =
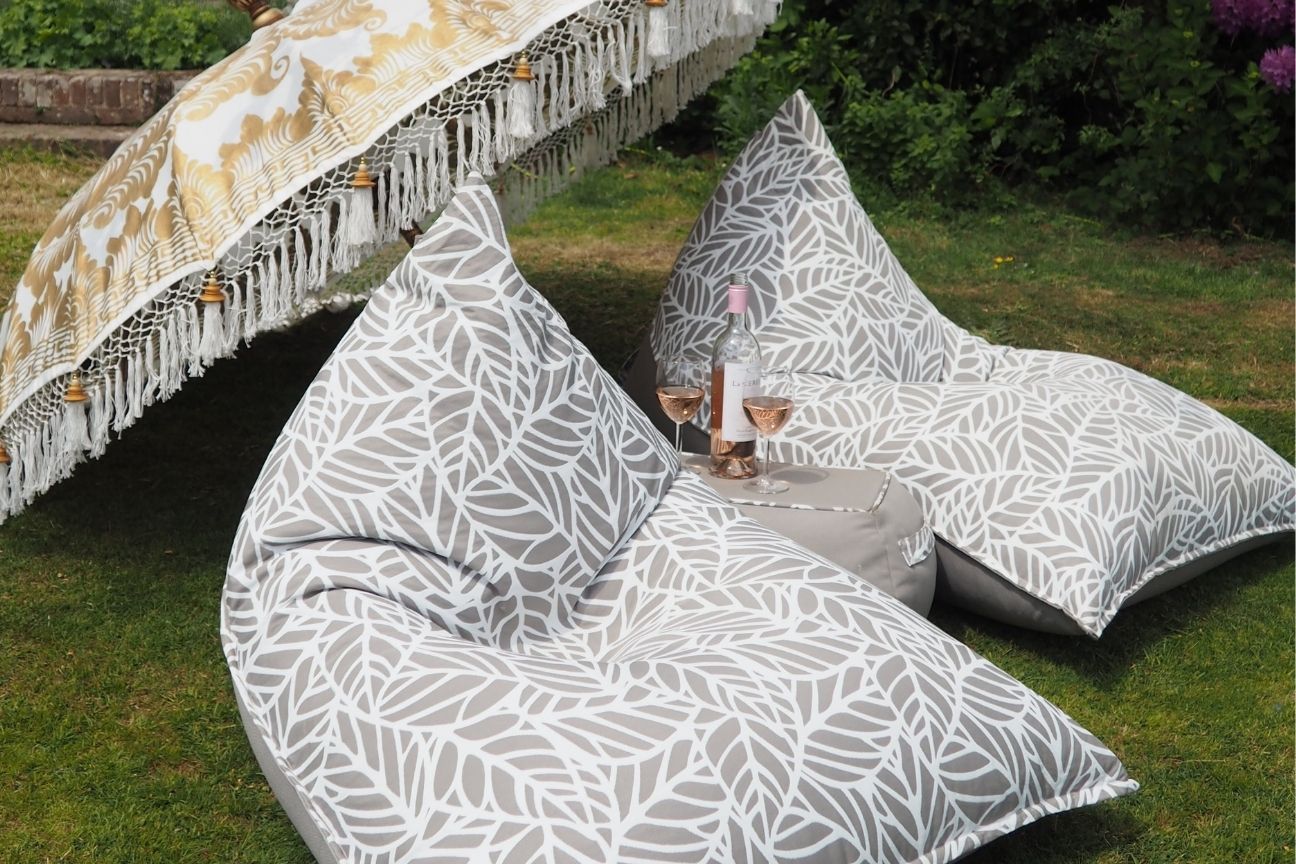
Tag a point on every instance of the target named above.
point(1078, 835)
point(1106, 661)
point(608, 308)
point(174, 485)
point(153, 520)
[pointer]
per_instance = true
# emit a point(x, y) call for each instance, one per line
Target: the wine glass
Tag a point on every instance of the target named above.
point(680, 381)
point(768, 412)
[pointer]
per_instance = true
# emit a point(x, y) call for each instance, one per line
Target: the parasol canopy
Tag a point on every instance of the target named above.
point(298, 157)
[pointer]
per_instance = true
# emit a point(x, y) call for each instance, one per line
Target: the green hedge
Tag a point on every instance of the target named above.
point(119, 34)
point(1138, 112)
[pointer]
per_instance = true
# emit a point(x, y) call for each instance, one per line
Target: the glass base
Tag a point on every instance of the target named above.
point(765, 486)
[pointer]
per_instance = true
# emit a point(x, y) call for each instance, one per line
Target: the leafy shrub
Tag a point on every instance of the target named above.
point(1158, 121)
point(818, 60)
point(164, 34)
point(916, 139)
point(45, 33)
point(1142, 112)
point(143, 34)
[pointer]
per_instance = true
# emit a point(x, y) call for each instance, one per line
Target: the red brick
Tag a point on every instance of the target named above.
point(112, 93)
point(60, 95)
point(130, 94)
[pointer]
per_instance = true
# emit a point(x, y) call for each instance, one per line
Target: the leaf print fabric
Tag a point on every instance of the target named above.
point(514, 454)
point(709, 693)
point(1072, 478)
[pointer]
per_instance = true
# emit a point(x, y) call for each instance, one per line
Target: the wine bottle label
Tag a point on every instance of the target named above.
point(740, 380)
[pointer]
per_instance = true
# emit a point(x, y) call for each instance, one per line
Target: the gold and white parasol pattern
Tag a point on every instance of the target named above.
point(324, 138)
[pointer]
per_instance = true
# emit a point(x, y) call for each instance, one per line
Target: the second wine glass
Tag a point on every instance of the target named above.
point(768, 412)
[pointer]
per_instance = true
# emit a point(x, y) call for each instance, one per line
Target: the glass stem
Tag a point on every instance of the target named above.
point(679, 448)
point(764, 478)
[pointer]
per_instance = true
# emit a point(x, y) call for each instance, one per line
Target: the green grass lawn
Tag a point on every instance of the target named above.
point(119, 738)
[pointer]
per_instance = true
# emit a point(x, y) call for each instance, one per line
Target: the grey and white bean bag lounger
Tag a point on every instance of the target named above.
point(474, 613)
point(1061, 487)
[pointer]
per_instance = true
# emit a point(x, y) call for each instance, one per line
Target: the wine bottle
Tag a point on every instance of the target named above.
point(735, 374)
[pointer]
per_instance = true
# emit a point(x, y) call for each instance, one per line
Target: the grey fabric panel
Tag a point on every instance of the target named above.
point(1179, 575)
point(963, 582)
point(284, 790)
point(855, 519)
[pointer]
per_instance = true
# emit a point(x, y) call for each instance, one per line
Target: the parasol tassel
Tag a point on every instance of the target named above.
point(522, 100)
point(358, 225)
point(233, 319)
point(100, 409)
point(76, 429)
point(121, 403)
point(596, 73)
point(4, 478)
point(658, 28)
point(212, 297)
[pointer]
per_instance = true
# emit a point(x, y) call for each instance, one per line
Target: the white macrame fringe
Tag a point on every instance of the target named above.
point(606, 80)
point(357, 228)
point(649, 106)
point(100, 409)
point(121, 402)
point(191, 341)
point(76, 430)
point(440, 188)
point(621, 48)
point(596, 73)
point(213, 342)
point(659, 29)
point(521, 108)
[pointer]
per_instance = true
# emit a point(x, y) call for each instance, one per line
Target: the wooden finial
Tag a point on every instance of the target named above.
point(363, 179)
point(261, 13)
point(522, 71)
point(75, 391)
point(211, 291)
point(5, 458)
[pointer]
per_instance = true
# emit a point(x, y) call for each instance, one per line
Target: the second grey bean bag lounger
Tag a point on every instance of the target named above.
point(1062, 486)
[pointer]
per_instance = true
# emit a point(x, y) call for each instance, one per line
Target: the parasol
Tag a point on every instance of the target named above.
point(299, 156)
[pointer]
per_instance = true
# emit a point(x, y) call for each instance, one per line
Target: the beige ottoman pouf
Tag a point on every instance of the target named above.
point(863, 521)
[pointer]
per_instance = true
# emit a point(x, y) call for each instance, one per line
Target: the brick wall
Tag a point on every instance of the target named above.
point(85, 97)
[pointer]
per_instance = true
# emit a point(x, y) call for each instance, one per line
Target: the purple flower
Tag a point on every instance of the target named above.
point(1265, 17)
point(1278, 67)
point(1226, 15)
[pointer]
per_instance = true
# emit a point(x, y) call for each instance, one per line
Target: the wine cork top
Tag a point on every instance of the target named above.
point(737, 299)
point(738, 293)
